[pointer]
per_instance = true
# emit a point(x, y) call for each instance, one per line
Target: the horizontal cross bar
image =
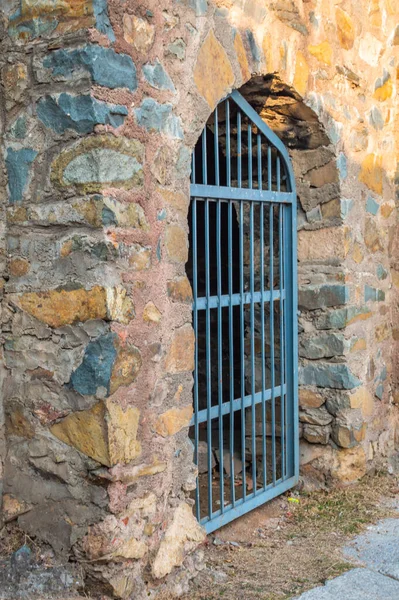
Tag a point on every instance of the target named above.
point(248, 401)
point(203, 303)
point(231, 193)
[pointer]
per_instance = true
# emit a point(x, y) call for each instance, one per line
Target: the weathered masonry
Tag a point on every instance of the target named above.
point(102, 105)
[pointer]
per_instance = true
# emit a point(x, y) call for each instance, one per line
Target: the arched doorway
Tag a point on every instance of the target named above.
point(242, 267)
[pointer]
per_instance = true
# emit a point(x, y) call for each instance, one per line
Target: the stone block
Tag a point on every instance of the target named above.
point(103, 65)
point(309, 398)
point(242, 57)
point(173, 420)
point(179, 290)
point(349, 465)
point(213, 73)
point(349, 429)
point(373, 294)
point(363, 400)
point(312, 297)
point(18, 164)
point(138, 32)
point(176, 243)
point(315, 416)
point(301, 76)
point(371, 173)
point(155, 117)
point(322, 346)
point(373, 236)
point(182, 535)
point(323, 52)
point(157, 77)
point(80, 113)
point(321, 243)
point(342, 317)
point(315, 434)
point(151, 314)
point(180, 357)
point(328, 375)
point(345, 28)
point(140, 257)
point(106, 433)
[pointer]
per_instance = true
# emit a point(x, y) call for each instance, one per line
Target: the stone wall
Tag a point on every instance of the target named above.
point(101, 106)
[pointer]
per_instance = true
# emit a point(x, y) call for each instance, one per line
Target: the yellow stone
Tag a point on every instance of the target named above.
point(386, 210)
point(364, 400)
point(316, 245)
point(359, 345)
point(309, 398)
point(357, 253)
point(177, 200)
point(345, 28)
point(242, 57)
point(360, 317)
point(349, 465)
point(395, 277)
point(105, 432)
point(322, 51)
point(371, 172)
point(19, 267)
point(180, 357)
point(179, 290)
point(12, 507)
point(375, 15)
point(183, 535)
point(138, 32)
point(331, 209)
point(213, 74)
point(176, 243)
point(301, 76)
point(120, 308)
point(173, 420)
point(64, 307)
point(385, 91)
point(140, 257)
point(126, 366)
point(151, 314)
point(382, 332)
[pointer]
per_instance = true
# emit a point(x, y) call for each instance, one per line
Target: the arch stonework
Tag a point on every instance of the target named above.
point(102, 105)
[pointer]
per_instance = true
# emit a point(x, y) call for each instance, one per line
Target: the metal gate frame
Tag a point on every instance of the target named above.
point(287, 295)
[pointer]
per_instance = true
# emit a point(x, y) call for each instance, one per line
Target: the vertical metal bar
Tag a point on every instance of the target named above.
point(195, 323)
point(259, 142)
point(216, 142)
point(220, 352)
point(271, 330)
point(208, 358)
point(193, 167)
point(252, 340)
point(242, 349)
point(204, 158)
point(250, 156)
point(269, 168)
point(228, 145)
point(231, 348)
point(239, 150)
point(282, 335)
point(263, 341)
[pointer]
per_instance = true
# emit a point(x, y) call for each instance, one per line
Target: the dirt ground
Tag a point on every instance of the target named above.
point(279, 550)
point(291, 544)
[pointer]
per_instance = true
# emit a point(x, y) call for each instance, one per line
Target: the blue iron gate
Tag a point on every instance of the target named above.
point(242, 267)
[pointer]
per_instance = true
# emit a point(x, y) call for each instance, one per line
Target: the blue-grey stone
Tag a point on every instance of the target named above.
point(80, 113)
point(357, 584)
point(382, 376)
point(311, 297)
point(158, 117)
point(102, 165)
point(339, 318)
point(328, 375)
point(342, 166)
point(253, 46)
point(382, 273)
point(178, 48)
point(104, 65)
point(35, 28)
point(161, 216)
point(373, 294)
point(314, 215)
point(200, 6)
point(18, 163)
point(108, 217)
point(157, 77)
point(95, 369)
point(346, 206)
point(183, 163)
point(324, 345)
point(372, 206)
point(18, 128)
point(102, 19)
point(376, 119)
